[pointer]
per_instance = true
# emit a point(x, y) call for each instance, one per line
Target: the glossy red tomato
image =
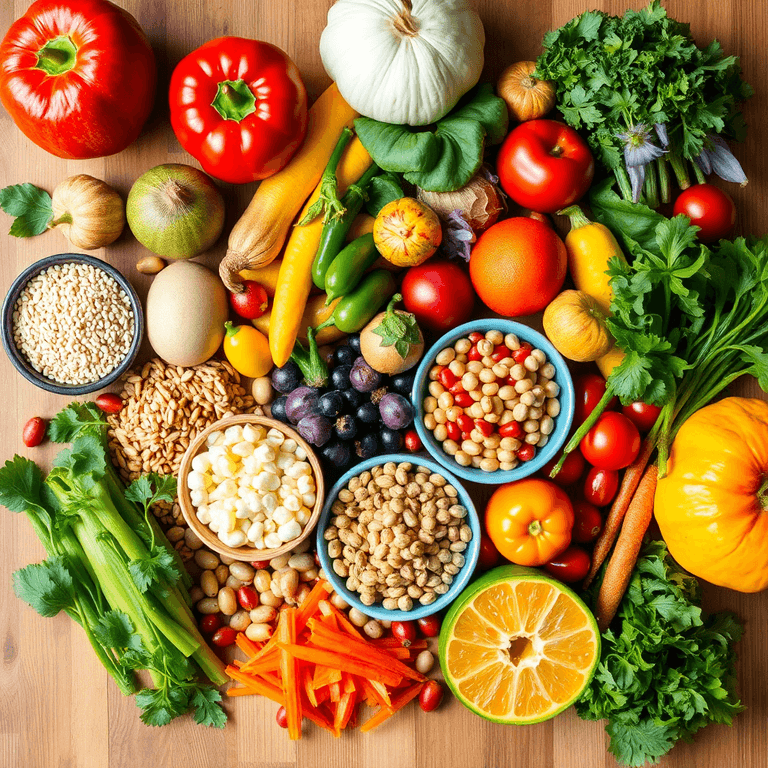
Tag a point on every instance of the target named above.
point(708, 208)
point(613, 443)
point(590, 388)
point(545, 165)
point(588, 522)
point(600, 486)
point(570, 472)
point(429, 626)
point(281, 716)
point(570, 565)
point(489, 555)
point(439, 293)
point(642, 415)
point(252, 302)
point(210, 623)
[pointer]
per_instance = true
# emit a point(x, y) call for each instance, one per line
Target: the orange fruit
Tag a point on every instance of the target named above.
point(518, 266)
point(518, 647)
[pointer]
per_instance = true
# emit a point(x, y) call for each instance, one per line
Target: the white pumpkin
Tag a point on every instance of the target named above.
point(403, 61)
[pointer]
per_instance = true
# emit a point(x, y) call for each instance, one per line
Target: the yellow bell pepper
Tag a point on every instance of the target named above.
point(247, 350)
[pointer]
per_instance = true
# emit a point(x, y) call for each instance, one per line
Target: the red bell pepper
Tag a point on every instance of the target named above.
point(77, 77)
point(239, 107)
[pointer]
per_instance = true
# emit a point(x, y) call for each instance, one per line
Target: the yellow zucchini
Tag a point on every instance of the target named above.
point(260, 233)
point(295, 279)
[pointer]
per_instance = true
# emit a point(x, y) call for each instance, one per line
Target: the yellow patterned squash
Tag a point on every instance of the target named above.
point(712, 506)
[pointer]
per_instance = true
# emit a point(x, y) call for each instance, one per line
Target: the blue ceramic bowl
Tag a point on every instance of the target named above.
point(461, 579)
point(20, 362)
point(562, 422)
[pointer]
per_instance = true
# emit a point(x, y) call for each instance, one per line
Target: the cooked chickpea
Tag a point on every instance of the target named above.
point(543, 441)
point(533, 438)
point(490, 389)
point(469, 381)
point(551, 389)
point(518, 372)
point(492, 441)
point(462, 346)
point(523, 385)
point(536, 412)
point(474, 366)
point(520, 412)
point(539, 355)
point(462, 458)
point(530, 425)
point(445, 356)
point(453, 413)
point(553, 408)
point(457, 368)
point(440, 416)
point(500, 371)
point(462, 358)
point(489, 464)
point(507, 416)
point(531, 364)
point(505, 455)
point(477, 436)
point(434, 372)
point(547, 371)
point(476, 395)
point(471, 448)
point(546, 425)
point(487, 376)
point(476, 461)
point(485, 347)
point(445, 400)
point(492, 418)
point(505, 466)
point(430, 403)
point(450, 447)
point(507, 392)
point(476, 411)
point(510, 444)
point(440, 432)
point(430, 422)
point(495, 337)
point(436, 389)
point(528, 398)
point(511, 341)
point(486, 404)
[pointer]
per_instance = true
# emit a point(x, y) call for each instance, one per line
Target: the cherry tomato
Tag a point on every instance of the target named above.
point(590, 389)
point(588, 522)
point(431, 695)
point(642, 415)
point(570, 472)
point(109, 402)
point(412, 441)
point(612, 443)
point(570, 565)
point(404, 631)
point(513, 429)
point(439, 293)
point(260, 565)
point(210, 623)
point(248, 598)
point(709, 208)
point(545, 165)
point(489, 555)
point(282, 717)
point(526, 452)
point(429, 626)
point(224, 636)
point(600, 486)
point(34, 432)
point(252, 302)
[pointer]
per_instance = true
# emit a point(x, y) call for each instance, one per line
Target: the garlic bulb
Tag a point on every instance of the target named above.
point(88, 211)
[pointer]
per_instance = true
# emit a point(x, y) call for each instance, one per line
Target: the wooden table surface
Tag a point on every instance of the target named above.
point(57, 706)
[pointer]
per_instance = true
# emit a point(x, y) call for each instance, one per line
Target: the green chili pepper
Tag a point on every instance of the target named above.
point(356, 309)
point(335, 231)
point(348, 268)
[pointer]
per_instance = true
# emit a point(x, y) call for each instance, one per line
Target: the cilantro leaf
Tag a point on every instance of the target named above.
point(46, 586)
point(640, 743)
point(76, 418)
point(151, 571)
point(141, 492)
point(31, 206)
point(207, 709)
point(115, 630)
point(21, 484)
point(85, 461)
point(160, 706)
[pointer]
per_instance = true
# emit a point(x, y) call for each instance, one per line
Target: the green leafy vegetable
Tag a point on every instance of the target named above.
point(690, 319)
point(111, 569)
point(640, 86)
point(665, 671)
point(398, 329)
point(31, 206)
point(446, 157)
point(382, 190)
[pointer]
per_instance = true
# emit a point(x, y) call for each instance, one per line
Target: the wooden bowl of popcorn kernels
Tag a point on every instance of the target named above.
point(246, 552)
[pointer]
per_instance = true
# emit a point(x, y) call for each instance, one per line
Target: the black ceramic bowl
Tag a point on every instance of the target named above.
point(20, 362)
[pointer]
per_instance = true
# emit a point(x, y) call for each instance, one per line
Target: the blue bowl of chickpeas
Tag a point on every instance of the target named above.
point(494, 401)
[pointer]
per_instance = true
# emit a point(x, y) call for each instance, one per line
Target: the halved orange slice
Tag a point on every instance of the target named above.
point(518, 646)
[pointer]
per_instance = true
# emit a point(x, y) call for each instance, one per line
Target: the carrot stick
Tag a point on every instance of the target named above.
point(397, 703)
point(624, 556)
point(286, 630)
point(248, 647)
point(309, 691)
point(334, 690)
point(309, 604)
point(346, 625)
point(268, 663)
point(344, 710)
point(343, 662)
point(317, 716)
point(257, 686)
point(325, 676)
point(376, 695)
point(629, 484)
point(242, 691)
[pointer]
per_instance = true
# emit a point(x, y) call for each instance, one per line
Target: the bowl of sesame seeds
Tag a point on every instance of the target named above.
point(72, 324)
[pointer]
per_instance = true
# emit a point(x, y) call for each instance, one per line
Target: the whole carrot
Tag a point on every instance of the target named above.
point(629, 484)
point(624, 557)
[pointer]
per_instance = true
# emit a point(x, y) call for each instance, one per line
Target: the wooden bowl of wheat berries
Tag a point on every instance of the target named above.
point(250, 487)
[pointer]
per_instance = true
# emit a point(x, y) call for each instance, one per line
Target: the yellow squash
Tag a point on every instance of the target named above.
point(247, 350)
point(295, 279)
point(590, 245)
point(575, 323)
point(260, 233)
point(712, 506)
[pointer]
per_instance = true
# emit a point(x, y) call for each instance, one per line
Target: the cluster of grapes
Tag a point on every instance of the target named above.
point(358, 415)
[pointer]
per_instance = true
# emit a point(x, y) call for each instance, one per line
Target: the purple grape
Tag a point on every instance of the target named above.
point(396, 412)
point(315, 429)
point(300, 403)
point(363, 377)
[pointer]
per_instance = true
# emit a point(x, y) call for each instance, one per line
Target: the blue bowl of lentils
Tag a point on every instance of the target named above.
point(57, 329)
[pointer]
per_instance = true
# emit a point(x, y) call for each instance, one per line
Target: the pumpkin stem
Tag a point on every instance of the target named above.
point(404, 23)
point(762, 494)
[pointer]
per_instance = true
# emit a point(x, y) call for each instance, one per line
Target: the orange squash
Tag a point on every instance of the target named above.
point(712, 506)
